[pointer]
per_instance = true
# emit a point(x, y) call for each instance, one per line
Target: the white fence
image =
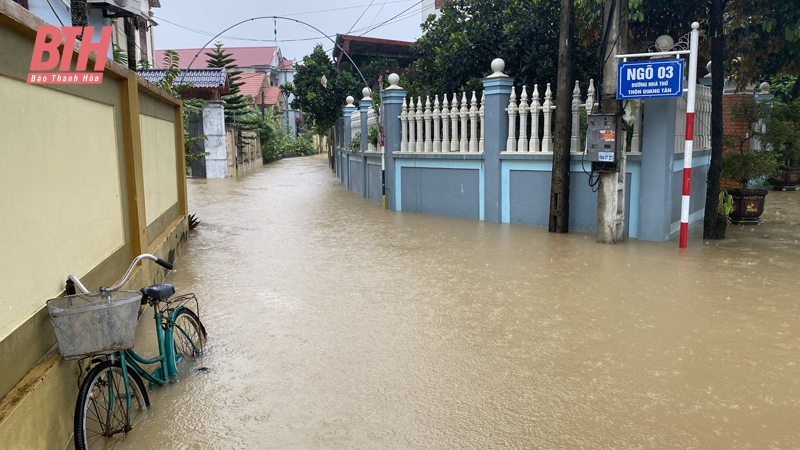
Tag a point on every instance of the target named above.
point(702, 121)
point(435, 128)
point(452, 125)
point(541, 119)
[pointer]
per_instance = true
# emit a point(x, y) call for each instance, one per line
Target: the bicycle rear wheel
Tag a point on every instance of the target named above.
point(102, 417)
point(188, 337)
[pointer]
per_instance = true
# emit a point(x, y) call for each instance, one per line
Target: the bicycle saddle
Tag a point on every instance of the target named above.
point(158, 291)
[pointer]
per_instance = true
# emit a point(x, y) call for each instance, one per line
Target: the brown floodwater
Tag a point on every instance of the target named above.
point(333, 324)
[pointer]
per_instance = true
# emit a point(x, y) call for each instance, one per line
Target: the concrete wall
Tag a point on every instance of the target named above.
point(93, 175)
point(374, 191)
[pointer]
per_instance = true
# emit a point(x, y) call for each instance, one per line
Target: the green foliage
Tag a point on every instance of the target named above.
point(740, 162)
point(276, 139)
point(355, 143)
point(190, 106)
point(322, 105)
point(783, 132)
point(725, 206)
point(372, 135)
point(781, 87)
point(119, 55)
point(457, 48)
point(235, 103)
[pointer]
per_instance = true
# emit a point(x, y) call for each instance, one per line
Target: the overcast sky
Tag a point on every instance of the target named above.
point(206, 18)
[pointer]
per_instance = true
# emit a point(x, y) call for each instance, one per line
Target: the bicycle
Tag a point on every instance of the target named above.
point(112, 397)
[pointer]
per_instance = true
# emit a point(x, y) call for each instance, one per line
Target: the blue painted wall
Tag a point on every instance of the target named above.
point(445, 191)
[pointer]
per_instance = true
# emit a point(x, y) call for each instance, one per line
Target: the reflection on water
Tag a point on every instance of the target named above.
point(333, 324)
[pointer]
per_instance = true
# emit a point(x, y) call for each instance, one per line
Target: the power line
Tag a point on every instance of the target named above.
point(359, 17)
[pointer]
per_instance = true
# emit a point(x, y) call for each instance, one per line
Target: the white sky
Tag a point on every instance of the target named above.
point(211, 17)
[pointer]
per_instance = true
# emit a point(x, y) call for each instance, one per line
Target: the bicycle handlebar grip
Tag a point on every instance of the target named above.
point(163, 263)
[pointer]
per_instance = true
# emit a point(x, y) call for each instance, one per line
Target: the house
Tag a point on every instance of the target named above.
point(261, 95)
point(106, 13)
point(268, 61)
point(364, 49)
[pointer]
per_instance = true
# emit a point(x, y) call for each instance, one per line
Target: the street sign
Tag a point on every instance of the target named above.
point(650, 79)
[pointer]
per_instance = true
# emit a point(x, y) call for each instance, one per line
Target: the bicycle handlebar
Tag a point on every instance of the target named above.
point(124, 280)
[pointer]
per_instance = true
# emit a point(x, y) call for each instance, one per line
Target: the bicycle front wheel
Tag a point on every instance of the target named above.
point(188, 338)
point(102, 416)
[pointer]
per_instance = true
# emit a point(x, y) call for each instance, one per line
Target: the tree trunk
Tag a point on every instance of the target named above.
point(80, 13)
point(796, 88)
point(559, 181)
point(711, 227)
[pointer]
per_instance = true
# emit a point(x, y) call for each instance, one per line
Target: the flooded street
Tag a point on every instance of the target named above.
point(333, 324)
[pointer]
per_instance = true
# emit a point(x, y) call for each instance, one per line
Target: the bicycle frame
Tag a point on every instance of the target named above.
point(166, 358)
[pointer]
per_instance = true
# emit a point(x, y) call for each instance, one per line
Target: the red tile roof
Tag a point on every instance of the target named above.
point(286, 64)
point(253, 86)
point(245, 56)
point(271, 96)
point(252, 83)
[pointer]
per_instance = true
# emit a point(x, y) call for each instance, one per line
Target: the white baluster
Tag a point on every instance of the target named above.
point(427, 115)
point(483, 124)
point(473, 124)
point(412, 136)
point(636, 143)
point(437, 142)
point(590, 100)
point(547, 110)
point(404, 127)
point(511, 142)
point(522, 144)
point(445, 124)
point(464, 113)
point(535, 142)
point(372, 120)
point(418, 116)
point(454, 123)
point(575, 142)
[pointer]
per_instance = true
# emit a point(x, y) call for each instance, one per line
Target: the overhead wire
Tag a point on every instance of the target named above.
point(359, 17)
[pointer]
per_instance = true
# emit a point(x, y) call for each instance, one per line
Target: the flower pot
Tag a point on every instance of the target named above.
point(748, 205)
point(788, 180)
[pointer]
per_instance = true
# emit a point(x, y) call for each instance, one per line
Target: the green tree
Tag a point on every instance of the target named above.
point(459, 46)
point(321, 104)
point(235, 103)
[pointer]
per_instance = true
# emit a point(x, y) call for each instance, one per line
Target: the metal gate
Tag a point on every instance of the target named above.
point(198, 167)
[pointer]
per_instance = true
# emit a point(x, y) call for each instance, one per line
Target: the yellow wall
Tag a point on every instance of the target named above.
point(159, 166)
point(60, 208)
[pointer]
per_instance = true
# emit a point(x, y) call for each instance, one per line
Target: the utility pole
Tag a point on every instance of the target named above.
point(611, 190)
point(559, 182)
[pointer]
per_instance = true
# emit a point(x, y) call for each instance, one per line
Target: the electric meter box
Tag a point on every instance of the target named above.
point(601, 138)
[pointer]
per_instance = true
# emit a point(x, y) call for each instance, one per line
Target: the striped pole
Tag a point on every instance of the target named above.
point(687, 153)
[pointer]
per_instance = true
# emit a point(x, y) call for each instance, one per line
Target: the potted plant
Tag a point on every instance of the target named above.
point(749, 163)
point(782, 134)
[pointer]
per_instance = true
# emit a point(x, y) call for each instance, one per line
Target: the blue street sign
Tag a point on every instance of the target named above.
point(650, 79)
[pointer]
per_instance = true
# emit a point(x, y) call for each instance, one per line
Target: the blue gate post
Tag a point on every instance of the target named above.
point(497, 88)
point(348, 131)
point(658, 156)
point(364, 106)
point(392, 107)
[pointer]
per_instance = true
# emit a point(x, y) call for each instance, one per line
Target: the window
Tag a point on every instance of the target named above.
point(23, 3)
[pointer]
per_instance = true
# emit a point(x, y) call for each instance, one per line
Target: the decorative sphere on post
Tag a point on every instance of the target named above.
point(497, 68)
point(764, 88)
point(664, 43)
point(365, 92)
point(394, 79)
point(350, 100)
